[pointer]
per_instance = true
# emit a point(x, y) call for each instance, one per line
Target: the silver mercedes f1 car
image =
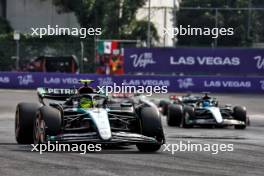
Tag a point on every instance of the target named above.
point(188, 111)
point(83, 115)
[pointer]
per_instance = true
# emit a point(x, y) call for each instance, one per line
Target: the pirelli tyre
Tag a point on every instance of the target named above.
point(164, 106)
point(188, 114)
point(47, 122)
point(151, 126)
point(24, 119)
point(240, 113)
point(175, 115)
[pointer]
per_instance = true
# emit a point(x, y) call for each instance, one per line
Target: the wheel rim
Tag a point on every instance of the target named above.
point(184, 118)
point(36, 135)
point(42, 131)
point(39, 130)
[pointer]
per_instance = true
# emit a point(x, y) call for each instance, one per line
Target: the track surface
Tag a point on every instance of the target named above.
point(246, 159)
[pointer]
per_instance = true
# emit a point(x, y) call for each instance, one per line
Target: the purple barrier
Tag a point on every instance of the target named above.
point(174, 83)
point(194, 61)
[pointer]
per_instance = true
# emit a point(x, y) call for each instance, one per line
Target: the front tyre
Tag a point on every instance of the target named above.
point(188, 113)
point(175, 115)
point(164, 106)
point(148, 147)
point(47, 122)
point(240, 114)
point(151, 126)
point(24, 120)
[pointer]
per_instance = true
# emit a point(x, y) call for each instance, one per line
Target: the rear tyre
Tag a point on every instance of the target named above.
point(188, 113)
point(164, 106)
point(151, 126)
point(175, 115)
point(240, 113)
point(47, 122)
point(24, 119)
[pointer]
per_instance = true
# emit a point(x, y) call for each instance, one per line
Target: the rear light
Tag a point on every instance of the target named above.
point(122, 95)
point(116, 95)
point(173, 97)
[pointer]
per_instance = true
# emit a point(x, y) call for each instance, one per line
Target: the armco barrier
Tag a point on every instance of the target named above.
point(13, 80)
point(190, 61)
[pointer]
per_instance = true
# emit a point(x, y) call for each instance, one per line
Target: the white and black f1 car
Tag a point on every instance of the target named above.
point(86, 116)
point(188, 111)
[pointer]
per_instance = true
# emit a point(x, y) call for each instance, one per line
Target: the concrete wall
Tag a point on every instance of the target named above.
point(24, 14)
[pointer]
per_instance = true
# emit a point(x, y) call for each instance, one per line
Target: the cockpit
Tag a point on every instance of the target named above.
point(87, 101)
point(209, 103)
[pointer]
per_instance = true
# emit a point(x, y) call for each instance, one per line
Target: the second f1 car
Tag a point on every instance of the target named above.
point(188, 111)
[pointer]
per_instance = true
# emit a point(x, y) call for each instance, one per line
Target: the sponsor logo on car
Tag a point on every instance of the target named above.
point(61, 91)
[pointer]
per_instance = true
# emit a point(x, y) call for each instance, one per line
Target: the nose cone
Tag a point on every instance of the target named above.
point(105, 134)
point(216, 114)
point(100, 118)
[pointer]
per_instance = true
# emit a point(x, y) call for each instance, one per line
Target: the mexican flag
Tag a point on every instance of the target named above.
point(106, 47)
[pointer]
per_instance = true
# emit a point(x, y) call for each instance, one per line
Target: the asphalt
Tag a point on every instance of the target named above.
point(247, 157)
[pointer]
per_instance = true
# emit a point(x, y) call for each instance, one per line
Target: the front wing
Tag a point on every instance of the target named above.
point(93, 137)
point(225, 122)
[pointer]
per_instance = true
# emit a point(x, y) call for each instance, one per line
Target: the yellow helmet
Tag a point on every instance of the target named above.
point(86, 103)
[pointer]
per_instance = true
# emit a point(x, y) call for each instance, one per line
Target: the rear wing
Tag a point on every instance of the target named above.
point(55, 94)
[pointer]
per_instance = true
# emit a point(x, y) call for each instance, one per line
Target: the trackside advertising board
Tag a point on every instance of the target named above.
point(191, 61)
point(220, 84)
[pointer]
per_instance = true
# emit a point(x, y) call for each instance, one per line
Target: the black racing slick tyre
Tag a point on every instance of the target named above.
point(151, 126)
point(164, 106)
point(24, 119)
point(240, 113)
point(188, 113)
point(175, 115)
point(47, 122)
